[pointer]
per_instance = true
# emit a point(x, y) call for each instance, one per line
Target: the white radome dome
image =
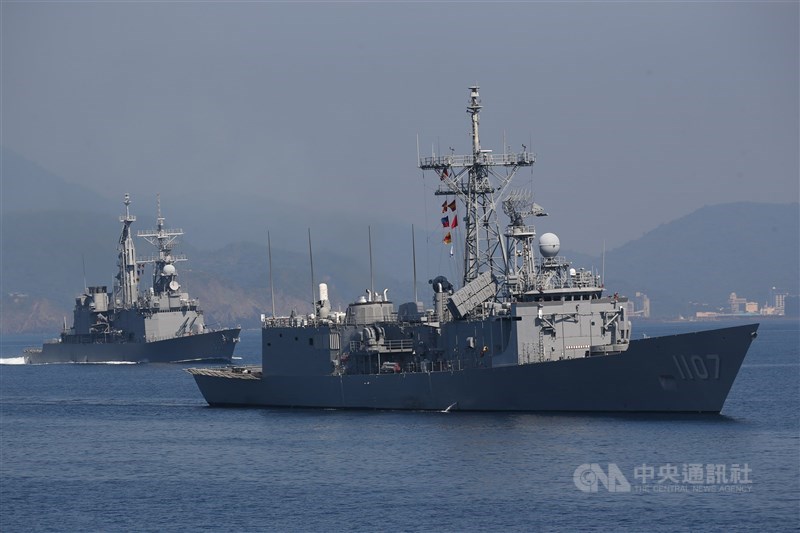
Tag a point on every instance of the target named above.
point(549, 245)
point(168, 270)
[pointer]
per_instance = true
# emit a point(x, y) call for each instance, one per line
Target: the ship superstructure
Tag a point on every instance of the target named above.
point(520, 333)
point(161, 325)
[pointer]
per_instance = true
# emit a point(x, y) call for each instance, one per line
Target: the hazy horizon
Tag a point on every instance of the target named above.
point(638, 113)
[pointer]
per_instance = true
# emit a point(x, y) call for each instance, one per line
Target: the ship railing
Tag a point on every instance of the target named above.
point(513, 231)
point(554, 262)
point(554, 273)
point(155, 258)
point(446, 188)
point(429, 367)
point(385, 346)
point(443, 366)
point(584, 279)
point(295, 322)
point(154, 338)
point(303, 321)
point(485, 158)
point(156, 233)
point(285, 322)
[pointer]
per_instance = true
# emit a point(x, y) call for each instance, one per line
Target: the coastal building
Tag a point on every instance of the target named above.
point(737, 305)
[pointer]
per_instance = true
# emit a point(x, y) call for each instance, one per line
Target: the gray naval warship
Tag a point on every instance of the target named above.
point(162, 325)
point(524, 332)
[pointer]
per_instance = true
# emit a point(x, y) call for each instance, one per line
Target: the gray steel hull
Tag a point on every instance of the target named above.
point(691, 372)
point(216, 346)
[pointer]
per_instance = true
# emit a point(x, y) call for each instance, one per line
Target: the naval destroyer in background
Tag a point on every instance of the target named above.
point(522, 333)
point(162, 325)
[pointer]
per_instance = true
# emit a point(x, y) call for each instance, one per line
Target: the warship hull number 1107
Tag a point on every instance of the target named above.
point(163, 325)
point(524, 332)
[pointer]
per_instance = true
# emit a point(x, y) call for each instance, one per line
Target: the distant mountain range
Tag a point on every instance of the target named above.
point(48, 250)
point(695, 262)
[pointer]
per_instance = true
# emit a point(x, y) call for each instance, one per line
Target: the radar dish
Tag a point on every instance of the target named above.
point(174, 285)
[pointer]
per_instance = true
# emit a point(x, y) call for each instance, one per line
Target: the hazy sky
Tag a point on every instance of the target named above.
point(639, 113)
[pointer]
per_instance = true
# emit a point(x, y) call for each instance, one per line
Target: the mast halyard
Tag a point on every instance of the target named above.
point(127, 288)
point(476, 180)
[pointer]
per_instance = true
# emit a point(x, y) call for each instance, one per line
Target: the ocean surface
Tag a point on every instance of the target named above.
point(135, 448)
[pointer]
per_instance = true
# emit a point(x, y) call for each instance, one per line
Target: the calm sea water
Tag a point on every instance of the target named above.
point(135, 448)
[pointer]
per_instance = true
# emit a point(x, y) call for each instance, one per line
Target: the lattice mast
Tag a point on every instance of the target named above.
point(478, 183)
point(164, 240)
point(127, 289)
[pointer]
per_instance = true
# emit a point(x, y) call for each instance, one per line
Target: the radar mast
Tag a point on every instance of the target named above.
point(478, 182)
point(164, 272)
point(127, 289)
point(521, 263)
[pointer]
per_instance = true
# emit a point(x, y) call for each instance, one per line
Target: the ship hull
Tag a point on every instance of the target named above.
point(216, 346)
point(691, 372)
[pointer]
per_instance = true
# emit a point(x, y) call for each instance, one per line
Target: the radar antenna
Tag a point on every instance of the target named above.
point(519, 204)
point(521, 264)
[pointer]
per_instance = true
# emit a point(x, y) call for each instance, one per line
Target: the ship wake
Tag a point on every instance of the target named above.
point(13, 360)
